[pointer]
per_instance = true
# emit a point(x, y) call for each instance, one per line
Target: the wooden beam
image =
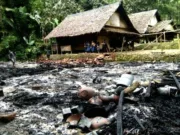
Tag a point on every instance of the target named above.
point(156, 38)
point(149, 34)
point(123, 42)
point(57, 50)
point(51, 49)
point(178, 40)
point(164, 36)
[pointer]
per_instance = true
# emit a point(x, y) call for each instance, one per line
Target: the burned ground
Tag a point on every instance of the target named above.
point(39, 93)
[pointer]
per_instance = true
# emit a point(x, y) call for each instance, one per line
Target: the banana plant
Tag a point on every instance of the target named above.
point(31, 48)
point(29, 42)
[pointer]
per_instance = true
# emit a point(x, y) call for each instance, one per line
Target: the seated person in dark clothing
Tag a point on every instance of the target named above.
point(87, 47)
point(105, 47)
point(131, 44)
point(98, 47)
point(93, 47)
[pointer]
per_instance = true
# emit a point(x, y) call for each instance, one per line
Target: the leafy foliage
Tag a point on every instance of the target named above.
point(23, 24)
point(169, 9)
point(8, 42)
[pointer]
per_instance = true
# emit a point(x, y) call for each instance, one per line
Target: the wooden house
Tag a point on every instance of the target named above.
point(142, 20)
point(108, 23)
point(151, 27)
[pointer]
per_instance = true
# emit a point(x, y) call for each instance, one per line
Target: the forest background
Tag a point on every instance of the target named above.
point(23, 24)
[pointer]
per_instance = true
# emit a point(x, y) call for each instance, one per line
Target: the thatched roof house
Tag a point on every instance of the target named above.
point(108, 23)
point(151, 28)
point(142, 20)
point(92, 21)
point(166, 25)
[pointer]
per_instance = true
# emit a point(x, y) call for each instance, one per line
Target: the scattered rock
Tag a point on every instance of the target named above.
point(7, 117)
point(8, 89)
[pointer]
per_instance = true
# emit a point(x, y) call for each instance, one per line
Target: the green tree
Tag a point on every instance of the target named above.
point(17, 22)
point(168, 9)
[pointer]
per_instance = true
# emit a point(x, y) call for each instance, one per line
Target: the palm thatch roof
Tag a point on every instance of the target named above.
point(178, 31)
point(87, 22)
point(161, 26)
point(141, 20)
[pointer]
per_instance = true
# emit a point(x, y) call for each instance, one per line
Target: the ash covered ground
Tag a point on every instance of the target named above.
point(38, 93)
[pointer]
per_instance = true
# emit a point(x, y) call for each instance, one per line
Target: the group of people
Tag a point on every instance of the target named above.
point(91, 47)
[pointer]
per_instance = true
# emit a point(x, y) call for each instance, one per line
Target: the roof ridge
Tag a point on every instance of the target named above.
point(101, 7)
point(155, 10)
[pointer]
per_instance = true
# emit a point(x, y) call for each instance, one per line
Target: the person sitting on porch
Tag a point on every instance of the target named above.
point(131, 44)
point(98, 47)
point(87, 47)
point(93, 47)
point(105, 47)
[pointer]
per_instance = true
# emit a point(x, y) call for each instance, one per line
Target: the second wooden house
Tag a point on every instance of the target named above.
point(151, 27)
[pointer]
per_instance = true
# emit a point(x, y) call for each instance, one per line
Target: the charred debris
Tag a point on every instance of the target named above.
point(110, 99)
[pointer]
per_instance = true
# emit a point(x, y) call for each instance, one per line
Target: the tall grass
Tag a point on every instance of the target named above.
point(155, 46)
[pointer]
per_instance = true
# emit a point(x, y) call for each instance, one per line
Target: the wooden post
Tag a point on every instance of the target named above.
point(164, 36)
point(178, 40)
point(123, 42)
point(156, 39)
point(51, 48)
point(148, 41)
point(57, 50)
point(144, 40)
